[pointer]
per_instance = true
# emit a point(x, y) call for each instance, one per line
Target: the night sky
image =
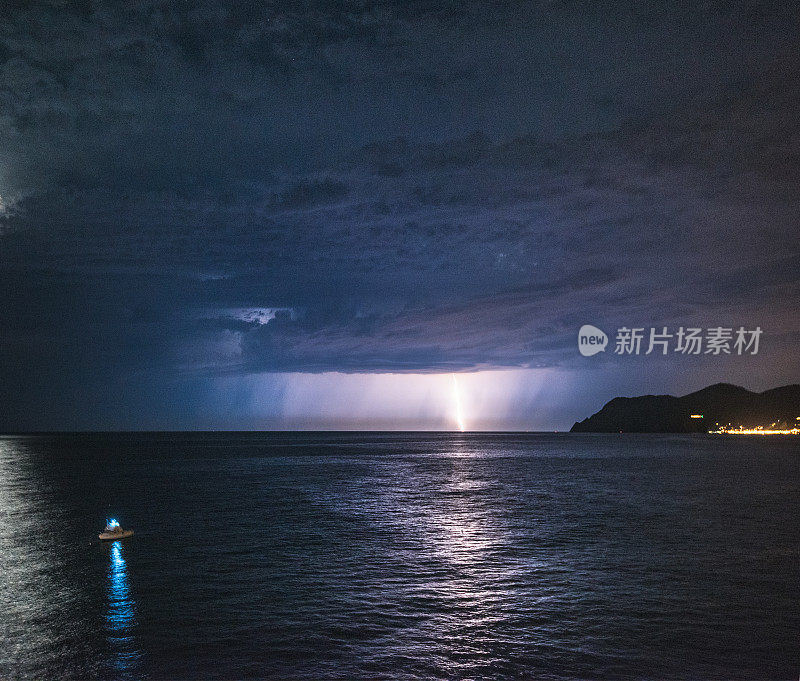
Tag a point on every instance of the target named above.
point(312, 215)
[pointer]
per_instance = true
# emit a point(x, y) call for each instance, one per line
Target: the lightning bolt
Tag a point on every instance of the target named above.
point(457, 398)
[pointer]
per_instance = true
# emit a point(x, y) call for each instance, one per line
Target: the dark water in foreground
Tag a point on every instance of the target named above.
point(408, 556)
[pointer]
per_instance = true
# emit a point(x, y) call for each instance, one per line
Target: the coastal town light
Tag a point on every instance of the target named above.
point(755, 431)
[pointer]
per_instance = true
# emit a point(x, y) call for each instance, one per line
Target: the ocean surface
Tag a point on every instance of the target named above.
point(400, 556)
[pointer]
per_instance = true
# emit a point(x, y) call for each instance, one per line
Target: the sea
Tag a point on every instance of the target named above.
point(400, 556)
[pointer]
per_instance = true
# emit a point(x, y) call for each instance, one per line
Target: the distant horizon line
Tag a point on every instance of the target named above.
point(267, 430)
point(42, 433)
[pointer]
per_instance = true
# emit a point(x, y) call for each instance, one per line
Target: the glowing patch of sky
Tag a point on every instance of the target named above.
point(485, 400)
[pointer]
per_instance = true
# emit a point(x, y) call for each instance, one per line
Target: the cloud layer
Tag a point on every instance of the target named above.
point(222, 191)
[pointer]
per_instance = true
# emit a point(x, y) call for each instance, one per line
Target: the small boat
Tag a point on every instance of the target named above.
point(113, 532)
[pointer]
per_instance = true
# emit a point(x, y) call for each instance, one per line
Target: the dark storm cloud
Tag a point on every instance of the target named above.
point(400, 186)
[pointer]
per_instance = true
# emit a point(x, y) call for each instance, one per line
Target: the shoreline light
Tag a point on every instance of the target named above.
point(755, 431)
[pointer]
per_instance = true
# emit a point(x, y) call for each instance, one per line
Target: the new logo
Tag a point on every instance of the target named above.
point(591, 340)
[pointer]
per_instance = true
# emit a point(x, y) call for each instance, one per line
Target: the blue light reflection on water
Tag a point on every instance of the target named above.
point(121, 616)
